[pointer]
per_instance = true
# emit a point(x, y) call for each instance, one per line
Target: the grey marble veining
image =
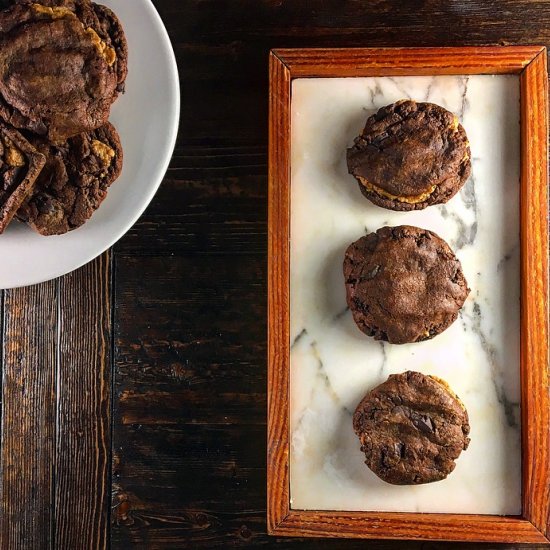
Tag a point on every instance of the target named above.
point(333, 365)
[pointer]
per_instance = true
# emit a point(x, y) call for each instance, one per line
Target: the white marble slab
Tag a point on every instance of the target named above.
point(333, 364)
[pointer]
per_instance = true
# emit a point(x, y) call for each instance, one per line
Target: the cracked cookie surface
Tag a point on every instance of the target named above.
point(62, 65)
point(74, 181)
point(412, 428)
point(410, 155)
point(403, 284)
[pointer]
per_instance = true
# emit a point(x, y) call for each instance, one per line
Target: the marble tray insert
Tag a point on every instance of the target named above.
point(333, 364)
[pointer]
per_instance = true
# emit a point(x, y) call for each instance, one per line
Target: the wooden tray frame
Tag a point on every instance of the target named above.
point(530, 62)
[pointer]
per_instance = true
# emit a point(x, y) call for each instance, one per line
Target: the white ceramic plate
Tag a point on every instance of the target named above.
point(146, 117)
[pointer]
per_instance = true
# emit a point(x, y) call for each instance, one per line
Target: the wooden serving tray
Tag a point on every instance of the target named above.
point(529, 62)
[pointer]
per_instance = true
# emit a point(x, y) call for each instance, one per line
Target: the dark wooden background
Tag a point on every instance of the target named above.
point(134, 390)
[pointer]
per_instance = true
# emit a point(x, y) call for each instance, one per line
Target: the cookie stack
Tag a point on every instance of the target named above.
point(63, 63)
point(404, 284)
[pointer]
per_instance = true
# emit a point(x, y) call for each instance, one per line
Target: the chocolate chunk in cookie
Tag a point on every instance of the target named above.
point(403, 284)
point(74, 182)
point(59, 67)
point(20, 164)
point(410, 155)
point(412, 428)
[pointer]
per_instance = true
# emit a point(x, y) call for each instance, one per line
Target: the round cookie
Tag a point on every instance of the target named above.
point(60, 69)
point(101, 19)
point(410, 155)
point(403, 284)
point(74, 181)
point(412, 428)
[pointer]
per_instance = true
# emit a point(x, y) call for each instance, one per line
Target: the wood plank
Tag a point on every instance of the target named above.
point(149, 503)
point(83, 441)
point(28, 417)
point(168, 354)
point(233, 209)
point(189, 365)
point(535, 394)
point(233, 27)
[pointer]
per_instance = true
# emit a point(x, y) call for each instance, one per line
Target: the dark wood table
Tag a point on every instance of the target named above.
point(134, 389)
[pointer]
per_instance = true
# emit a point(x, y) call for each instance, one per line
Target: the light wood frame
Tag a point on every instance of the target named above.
point(530, 62)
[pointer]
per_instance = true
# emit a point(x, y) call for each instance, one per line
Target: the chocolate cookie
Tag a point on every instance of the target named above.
point(74, 181)
point(110, 29)
point(99, 18)
point(20, 164)
point(412, 428)
point(403, 284)
point(410, 155)
point(59, 67)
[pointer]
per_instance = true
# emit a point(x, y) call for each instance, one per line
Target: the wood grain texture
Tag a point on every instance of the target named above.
point(209, 221)
point(441, 527)
point(82, 464)
point(342, 62)
point(530, 62)
point(535, 397)
point(188, 435)
point(28, 417)
point(278, 336)
point(55, 456)
point(231, 207)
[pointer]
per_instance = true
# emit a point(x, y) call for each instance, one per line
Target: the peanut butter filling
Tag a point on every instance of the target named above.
point(413, 199)
point(454, 125)
point(103, 151)
point(54, 13)
point(448, 388)
point(454, 128)
point(12, 156)
point(106, 52)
